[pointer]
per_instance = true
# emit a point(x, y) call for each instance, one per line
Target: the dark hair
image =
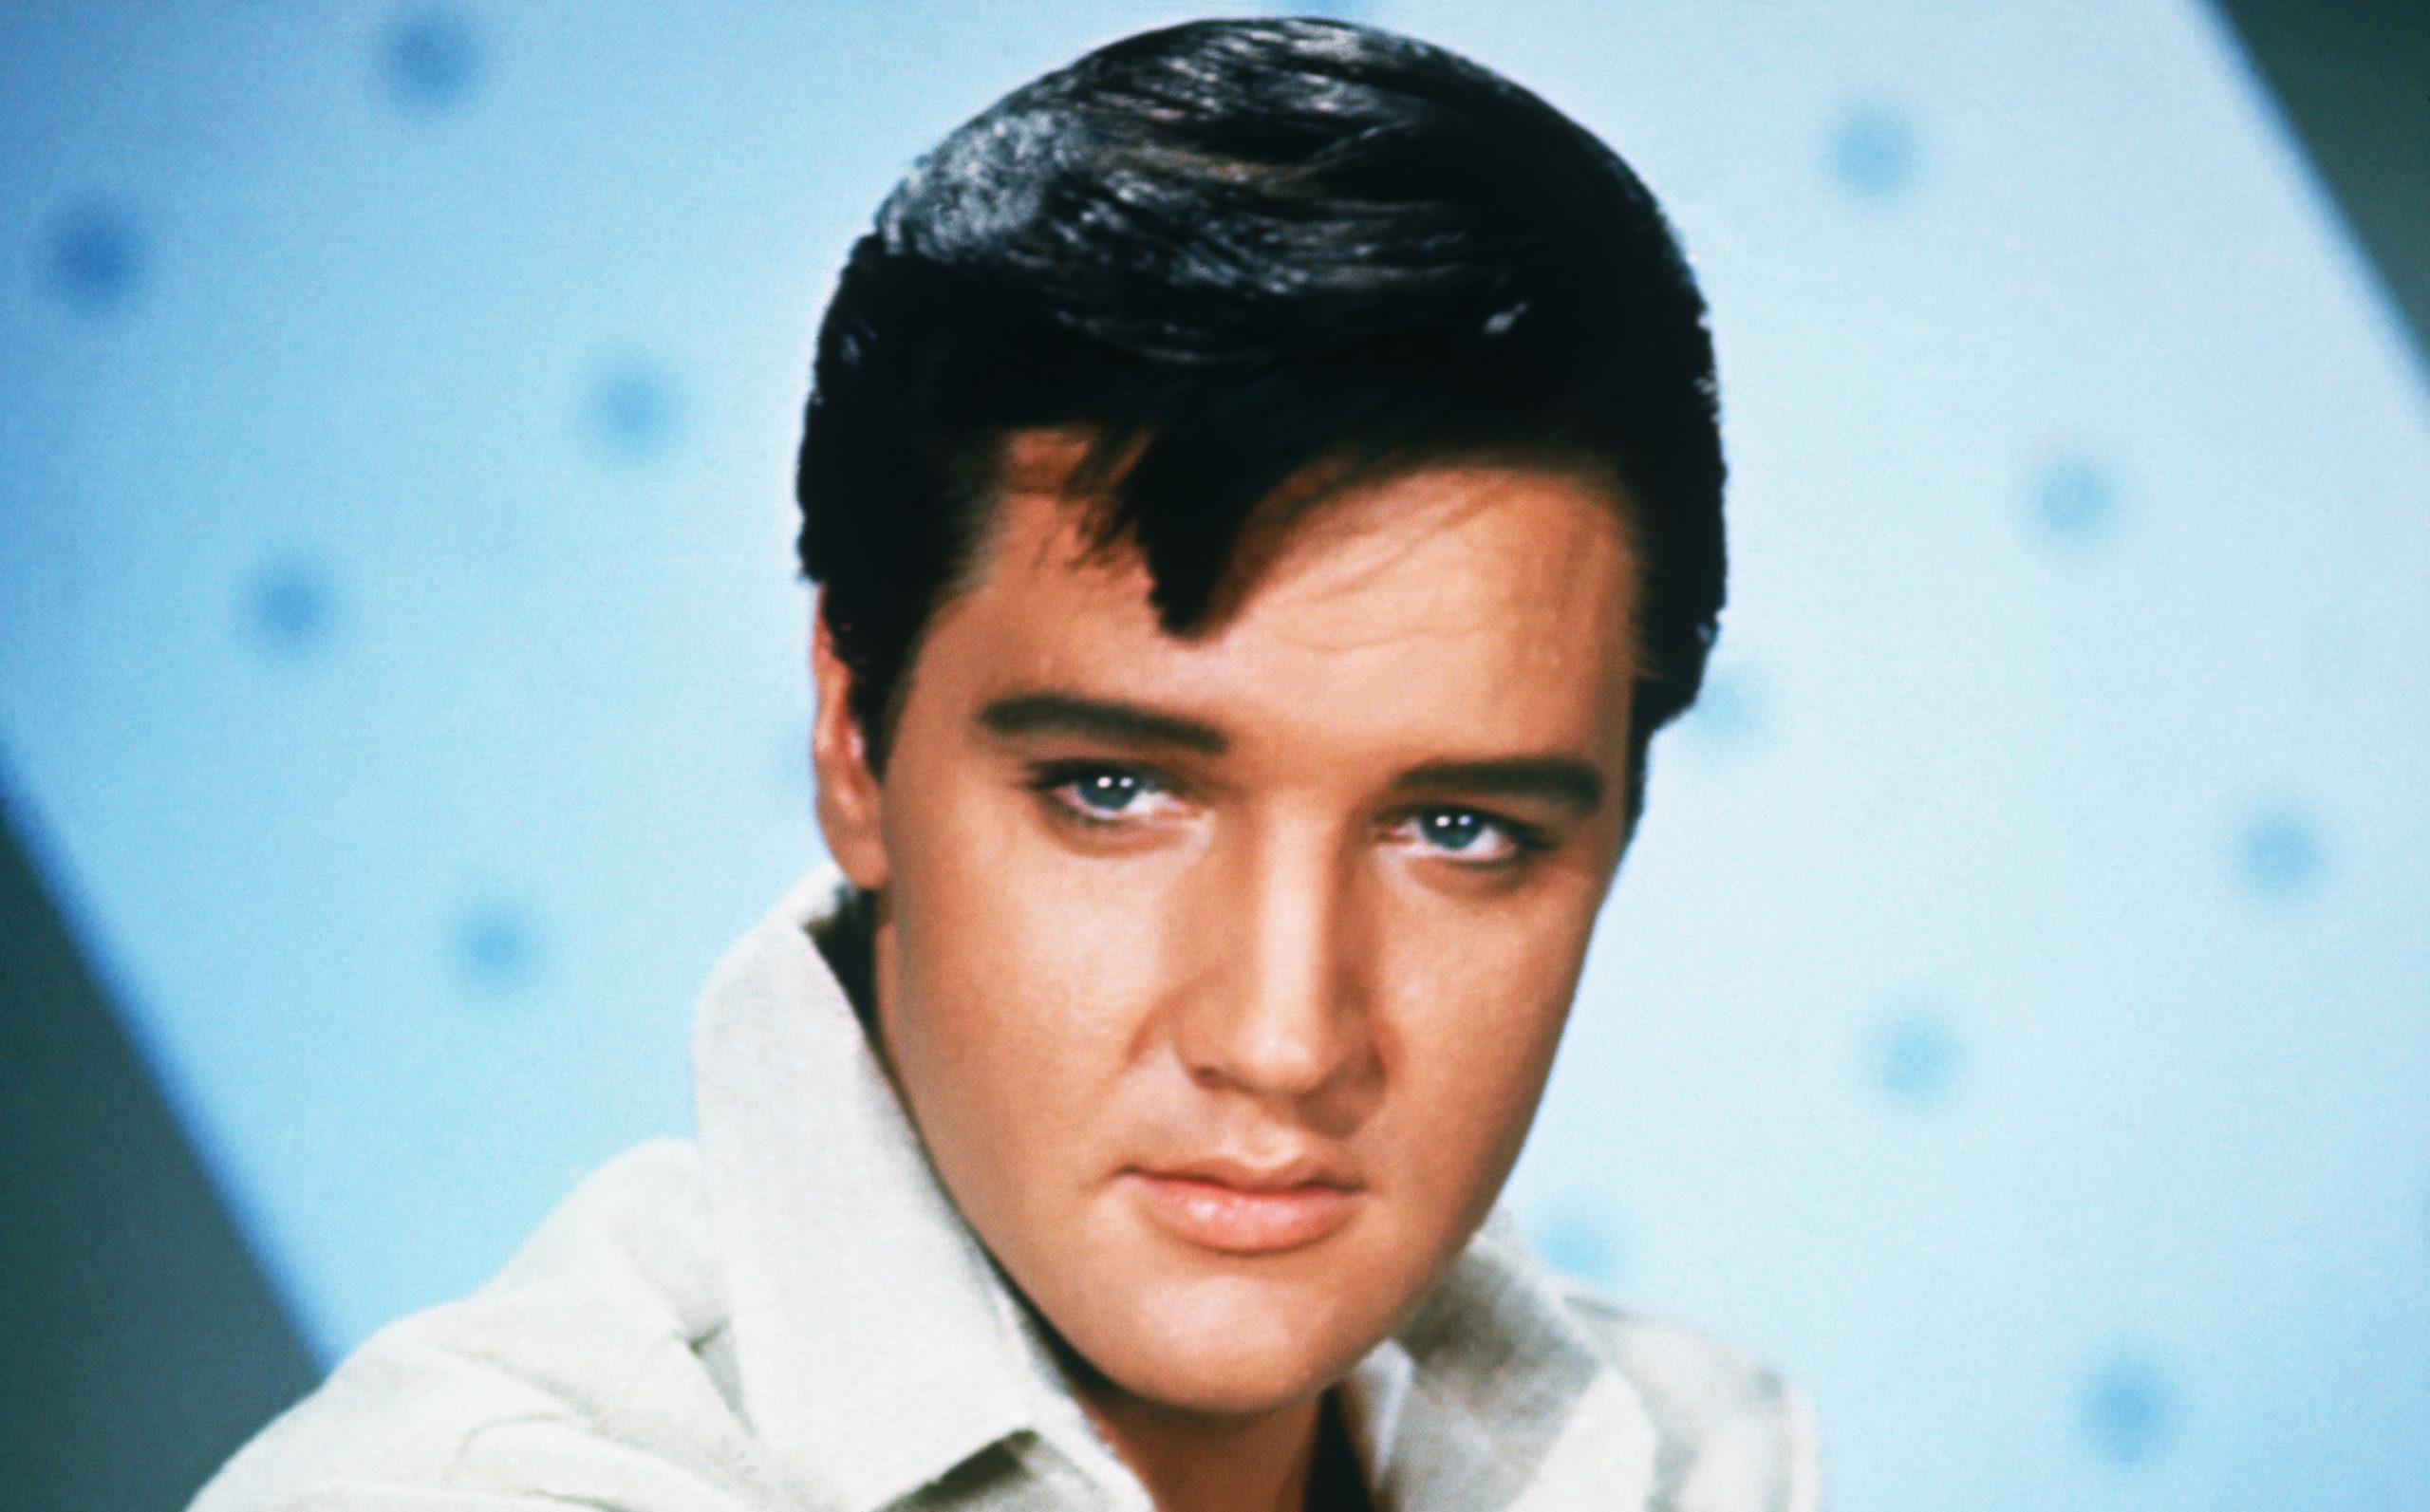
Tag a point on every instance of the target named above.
point(1229, 250)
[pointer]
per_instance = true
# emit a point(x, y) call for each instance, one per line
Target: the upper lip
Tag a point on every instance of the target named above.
point(1256, 1175)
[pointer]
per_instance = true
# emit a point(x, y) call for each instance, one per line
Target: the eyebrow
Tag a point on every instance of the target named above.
point(1098, 720)
point(1558, 780)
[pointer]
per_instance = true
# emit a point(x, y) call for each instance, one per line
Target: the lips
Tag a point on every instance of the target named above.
point(1236, 1209)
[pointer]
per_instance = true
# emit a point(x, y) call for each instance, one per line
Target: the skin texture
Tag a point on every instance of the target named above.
point(1225, 1032)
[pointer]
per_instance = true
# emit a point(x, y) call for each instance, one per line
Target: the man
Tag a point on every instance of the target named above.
point(1264, 487)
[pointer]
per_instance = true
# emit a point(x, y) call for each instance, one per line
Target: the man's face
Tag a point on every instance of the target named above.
point(1222, 974)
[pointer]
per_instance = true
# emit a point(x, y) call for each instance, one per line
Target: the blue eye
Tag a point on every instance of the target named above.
point(1105, 792)
point(1098, 794)
point(1456, 829)
point(1465, 836)
point(1452, 828)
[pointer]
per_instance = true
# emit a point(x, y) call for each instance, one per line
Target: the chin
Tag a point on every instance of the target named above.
point(1225, 1347)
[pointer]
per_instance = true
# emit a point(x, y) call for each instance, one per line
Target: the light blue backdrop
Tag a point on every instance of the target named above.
point(2013, 1022)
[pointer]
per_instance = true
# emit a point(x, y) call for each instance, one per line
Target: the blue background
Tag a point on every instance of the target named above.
point(2011, 1022)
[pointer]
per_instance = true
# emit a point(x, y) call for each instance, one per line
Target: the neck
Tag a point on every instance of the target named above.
point(1198, 1462)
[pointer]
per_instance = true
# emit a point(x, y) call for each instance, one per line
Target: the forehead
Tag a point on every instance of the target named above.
point(1503, 595)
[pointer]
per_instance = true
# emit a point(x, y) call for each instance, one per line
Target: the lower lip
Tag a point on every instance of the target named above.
point(1237, 1221)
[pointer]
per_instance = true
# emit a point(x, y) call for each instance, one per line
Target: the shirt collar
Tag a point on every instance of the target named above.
point(1490, 1396)
point(878, 1348)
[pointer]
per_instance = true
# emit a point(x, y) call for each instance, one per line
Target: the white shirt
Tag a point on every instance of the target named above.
point(788, 1314)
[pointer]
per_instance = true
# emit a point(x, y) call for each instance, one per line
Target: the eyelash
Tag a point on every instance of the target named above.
point(1051, 780)
point(1524, 840)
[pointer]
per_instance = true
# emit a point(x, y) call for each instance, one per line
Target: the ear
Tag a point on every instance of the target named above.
point(851, 800)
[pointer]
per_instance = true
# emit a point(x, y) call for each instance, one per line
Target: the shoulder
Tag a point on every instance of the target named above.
point(591, 1361)
point(1731, 1434)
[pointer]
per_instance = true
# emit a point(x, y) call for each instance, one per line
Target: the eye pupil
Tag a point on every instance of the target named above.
point(1453, 830)
point(1109, 790)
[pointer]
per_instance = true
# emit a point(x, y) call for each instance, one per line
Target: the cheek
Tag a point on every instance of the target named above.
point(1021, 979)
point(1478, 1008)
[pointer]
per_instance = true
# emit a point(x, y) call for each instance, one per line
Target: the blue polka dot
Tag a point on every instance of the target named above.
point(97, 257)
point(1729, 711)
point(289, 607)
point(2127, 1411)
point(1576, 1244)
point(2279, 854)
point(633, 410)
point(432, 60)
point(1916, 1058)
point(496, 944)
point(1872, 153)
point(2074, 499)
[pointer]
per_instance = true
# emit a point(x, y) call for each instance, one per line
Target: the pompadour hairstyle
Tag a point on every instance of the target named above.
point(1230, 251)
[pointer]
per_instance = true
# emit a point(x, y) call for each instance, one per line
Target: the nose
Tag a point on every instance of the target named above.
point(1282, 1012)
